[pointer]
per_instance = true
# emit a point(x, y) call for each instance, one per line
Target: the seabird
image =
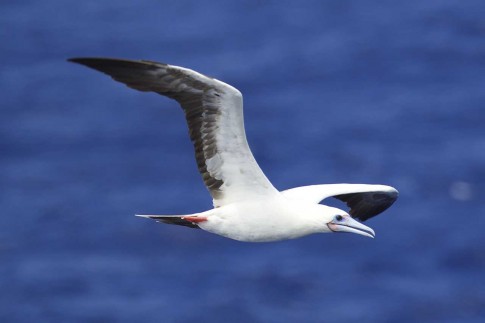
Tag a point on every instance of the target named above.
point(247, 207)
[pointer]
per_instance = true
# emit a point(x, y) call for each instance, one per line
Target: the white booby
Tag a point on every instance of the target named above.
point(247, 207)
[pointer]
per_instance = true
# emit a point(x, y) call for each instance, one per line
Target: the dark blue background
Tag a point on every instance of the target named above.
point(388, 92)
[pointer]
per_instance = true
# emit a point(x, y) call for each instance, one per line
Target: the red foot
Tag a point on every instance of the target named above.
point(195, 219)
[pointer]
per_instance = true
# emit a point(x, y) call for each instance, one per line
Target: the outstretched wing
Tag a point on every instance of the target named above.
point(365, 201)
point(214, 114)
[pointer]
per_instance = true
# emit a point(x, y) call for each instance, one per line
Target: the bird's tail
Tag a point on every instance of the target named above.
point(184, 220)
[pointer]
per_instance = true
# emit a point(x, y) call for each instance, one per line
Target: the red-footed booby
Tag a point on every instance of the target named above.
point(247, 207)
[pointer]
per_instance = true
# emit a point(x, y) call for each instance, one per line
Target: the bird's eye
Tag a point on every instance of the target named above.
point(339, 218)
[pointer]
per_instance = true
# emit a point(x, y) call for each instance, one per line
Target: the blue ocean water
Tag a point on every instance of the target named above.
point(335, 91)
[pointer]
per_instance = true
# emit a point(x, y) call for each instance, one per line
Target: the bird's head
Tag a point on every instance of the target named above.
point(340, 221)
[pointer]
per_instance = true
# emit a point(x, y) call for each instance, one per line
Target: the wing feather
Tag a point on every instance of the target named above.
point(365, 201)
point(214, 115)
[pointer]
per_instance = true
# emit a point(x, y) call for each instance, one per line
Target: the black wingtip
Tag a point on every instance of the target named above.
point(366, 205)
point(95, 62)
point(73, 59)
point(110, 65)
point(99, 64)
point(82, 60)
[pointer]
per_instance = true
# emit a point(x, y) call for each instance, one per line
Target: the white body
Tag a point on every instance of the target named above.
point(264, 220)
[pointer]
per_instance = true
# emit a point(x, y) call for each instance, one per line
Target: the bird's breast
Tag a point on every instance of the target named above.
point(256, 222)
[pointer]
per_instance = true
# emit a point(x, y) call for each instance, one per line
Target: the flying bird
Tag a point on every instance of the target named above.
point(247, 207)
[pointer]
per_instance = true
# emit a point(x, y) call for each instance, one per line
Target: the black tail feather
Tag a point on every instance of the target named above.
point(176, 220)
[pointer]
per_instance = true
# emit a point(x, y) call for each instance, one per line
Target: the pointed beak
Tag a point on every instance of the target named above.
point(352, 226)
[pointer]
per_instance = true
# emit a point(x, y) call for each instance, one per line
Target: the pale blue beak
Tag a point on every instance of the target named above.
point(350, 225)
